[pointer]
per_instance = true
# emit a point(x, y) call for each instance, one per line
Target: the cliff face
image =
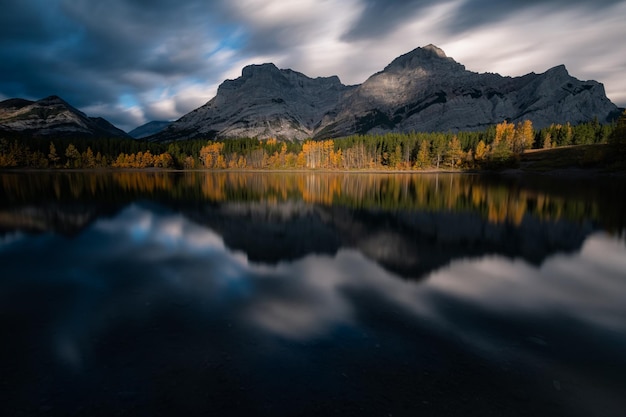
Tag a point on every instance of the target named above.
point(52, 116)
point(426, 91)
point(423, 90)
point(263, 102)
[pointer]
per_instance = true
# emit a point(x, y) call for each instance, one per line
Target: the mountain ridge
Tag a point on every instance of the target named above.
point(52, 117)
point(421, 90)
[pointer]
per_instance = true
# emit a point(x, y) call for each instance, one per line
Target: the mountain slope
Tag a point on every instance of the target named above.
point(52, 116)
point(423, 90)
point(148, 129)
point(263, 102)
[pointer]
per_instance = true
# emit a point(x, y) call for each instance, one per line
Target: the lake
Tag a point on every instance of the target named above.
point(293, 294)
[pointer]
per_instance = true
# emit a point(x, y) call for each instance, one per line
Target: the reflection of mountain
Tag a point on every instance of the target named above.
point(410, 225)
point(411, 244)
point(268, 233)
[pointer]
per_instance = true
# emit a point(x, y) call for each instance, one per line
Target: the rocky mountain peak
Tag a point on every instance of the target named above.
point(558, 71)
point(253, 70)
point(52, 100)
point(429, 58)
point(434, 50)
point(422, 90)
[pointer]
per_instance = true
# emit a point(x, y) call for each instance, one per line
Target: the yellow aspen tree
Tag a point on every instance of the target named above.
point(504, 134)
point(523, 137)
point(454, 152)
point(53, 156)
point(481, 151)
point(147, 159)
point(547, 141)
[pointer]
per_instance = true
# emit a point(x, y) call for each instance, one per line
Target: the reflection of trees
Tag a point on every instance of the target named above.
point(495, 200)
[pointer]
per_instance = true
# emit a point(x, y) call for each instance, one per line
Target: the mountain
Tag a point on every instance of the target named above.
point(264, 102)
point(52, 116)
point(423, 90)
point(148, 129)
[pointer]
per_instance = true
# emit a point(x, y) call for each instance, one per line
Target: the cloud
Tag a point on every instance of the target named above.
point(379, 18)
point(472, 14)
point(93, 54)
point(535, 39)
point(169, 56)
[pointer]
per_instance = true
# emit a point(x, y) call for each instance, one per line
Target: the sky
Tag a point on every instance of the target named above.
point(133, 61)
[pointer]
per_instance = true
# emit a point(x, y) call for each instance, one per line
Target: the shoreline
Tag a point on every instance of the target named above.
point(571, 172)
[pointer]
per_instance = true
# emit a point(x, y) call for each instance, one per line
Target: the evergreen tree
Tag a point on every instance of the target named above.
point(618, 136)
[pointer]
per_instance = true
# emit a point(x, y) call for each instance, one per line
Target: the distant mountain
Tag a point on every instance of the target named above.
point(52, 117)
point(423, 90)
point(148, 129)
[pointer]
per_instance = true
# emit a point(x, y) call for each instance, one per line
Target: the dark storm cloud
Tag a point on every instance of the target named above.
point(474, 13)
point(92, 52)
point(380, 17)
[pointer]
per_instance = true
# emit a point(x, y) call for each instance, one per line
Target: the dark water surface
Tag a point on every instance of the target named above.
point(217, 294)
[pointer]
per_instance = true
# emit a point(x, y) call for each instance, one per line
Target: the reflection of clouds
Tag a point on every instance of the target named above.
point(171, 231)
point(308, 297)
point(10, 238)
point(589, 286)
point(68, 351)
point(300, 299)
point(144, 258)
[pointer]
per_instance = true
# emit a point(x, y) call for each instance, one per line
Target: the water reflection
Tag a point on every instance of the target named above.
point(497, 200)
point(409, 224)
point(159, 301)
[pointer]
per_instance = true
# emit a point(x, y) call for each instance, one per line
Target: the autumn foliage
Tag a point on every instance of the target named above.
point(495, 147)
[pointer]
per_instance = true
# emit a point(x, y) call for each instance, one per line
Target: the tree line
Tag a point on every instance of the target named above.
point(495, 147)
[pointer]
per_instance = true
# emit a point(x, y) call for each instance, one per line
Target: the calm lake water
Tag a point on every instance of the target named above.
point(291, 294)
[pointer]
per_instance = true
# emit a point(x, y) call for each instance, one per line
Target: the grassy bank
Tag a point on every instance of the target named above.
point(600, 158)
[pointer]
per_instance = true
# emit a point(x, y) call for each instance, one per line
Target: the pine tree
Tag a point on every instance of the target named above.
point(618, 136)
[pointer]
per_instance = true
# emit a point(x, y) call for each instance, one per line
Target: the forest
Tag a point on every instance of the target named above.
point(499, 146)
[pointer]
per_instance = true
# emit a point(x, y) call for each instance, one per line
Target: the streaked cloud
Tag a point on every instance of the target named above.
point(169, 56)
